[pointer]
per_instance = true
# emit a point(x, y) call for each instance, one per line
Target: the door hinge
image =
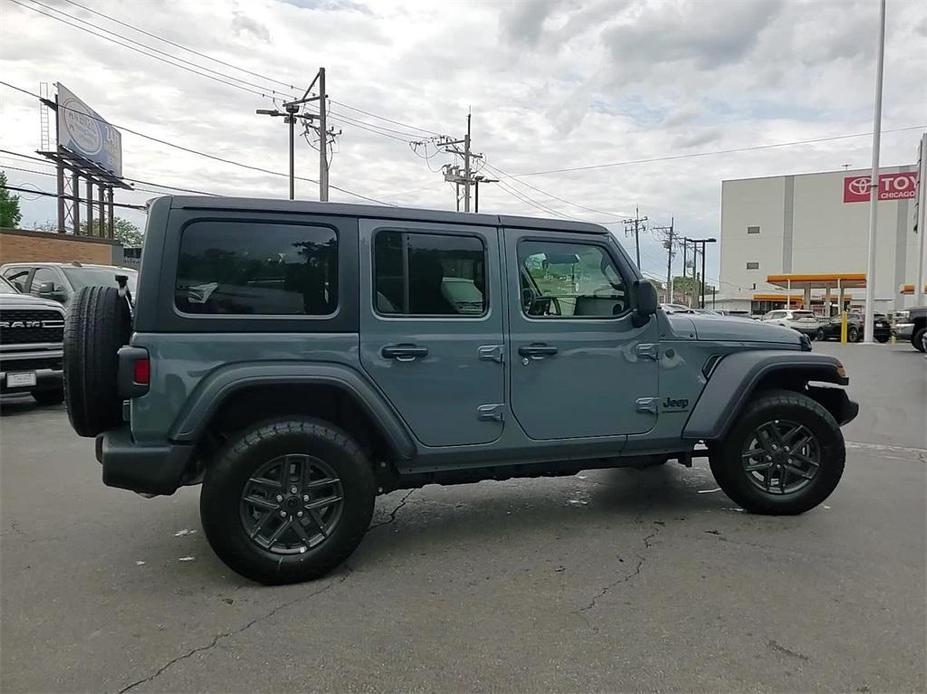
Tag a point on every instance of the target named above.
point(646, 405)
point(491, 353)
point(490, 413)
point(648, 351)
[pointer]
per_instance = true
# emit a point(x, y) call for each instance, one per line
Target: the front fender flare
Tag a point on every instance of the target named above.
point(213, 390)
point(736, 377)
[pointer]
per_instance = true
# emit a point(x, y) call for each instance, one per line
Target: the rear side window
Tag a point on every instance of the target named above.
point(417, 274)
point(257, 268)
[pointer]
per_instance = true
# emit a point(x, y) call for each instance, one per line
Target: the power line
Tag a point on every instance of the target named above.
point(180, 46)
point(384, 118)
point(55, 195)
point(713, 152)
point(206, 155)
point(237, 84)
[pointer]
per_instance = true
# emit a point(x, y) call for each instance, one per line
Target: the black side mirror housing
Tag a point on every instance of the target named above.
point(645, 301)
point(50, 290)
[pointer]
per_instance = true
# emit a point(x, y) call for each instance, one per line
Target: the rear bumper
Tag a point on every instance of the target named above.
point(45, 379)
point(145, 469)
point(904, 330)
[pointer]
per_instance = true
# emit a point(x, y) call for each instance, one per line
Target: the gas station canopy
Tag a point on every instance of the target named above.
point(834, 280)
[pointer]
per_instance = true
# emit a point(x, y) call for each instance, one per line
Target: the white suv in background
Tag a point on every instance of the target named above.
point(802, 321)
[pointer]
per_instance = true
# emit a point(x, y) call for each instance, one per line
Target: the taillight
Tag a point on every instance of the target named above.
point(141, 372)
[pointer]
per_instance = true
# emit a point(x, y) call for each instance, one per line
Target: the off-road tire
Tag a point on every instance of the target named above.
point(97, 324)
point(227, 475)
point(852, 334)
point(770, 405)
point(48, 396)
point(917, 339)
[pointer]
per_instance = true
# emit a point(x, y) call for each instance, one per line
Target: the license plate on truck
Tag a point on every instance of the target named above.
point(20, 380)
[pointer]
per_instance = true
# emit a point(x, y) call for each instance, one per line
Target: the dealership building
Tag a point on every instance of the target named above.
point(802, 240)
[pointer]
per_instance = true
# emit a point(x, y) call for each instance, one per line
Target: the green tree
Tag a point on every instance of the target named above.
point(124, 231)
point(687, 287)
point(10, 214)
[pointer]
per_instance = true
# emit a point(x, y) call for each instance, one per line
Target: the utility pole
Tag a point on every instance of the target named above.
point(291, 114)
point(453, 173)
point(637, 224)
point(685, 264)
point(695, 246)
point(668, 245)
point(869, 316)
point(476, 188)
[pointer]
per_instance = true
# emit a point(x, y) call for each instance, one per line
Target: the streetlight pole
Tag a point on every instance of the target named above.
point(695, 244)
point(869, 316)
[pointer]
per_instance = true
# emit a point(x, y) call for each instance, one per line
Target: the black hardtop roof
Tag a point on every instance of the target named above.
point(200, 202)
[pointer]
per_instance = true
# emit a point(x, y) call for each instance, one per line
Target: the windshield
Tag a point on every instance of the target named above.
point(99, 277)
point(6, 287)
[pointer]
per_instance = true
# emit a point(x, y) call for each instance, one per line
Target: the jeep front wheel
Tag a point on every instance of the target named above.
point(288, 500)
point(784, 455)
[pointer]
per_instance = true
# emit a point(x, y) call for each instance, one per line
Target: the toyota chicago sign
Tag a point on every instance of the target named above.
point(892, 186)
point(83, 131)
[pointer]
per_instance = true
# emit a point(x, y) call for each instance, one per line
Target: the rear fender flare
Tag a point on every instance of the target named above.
point(737, 376)
point(225, 381)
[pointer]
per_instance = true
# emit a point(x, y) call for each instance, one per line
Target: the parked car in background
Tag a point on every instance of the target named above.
point(830, 329)
point(31, 333)
point(804, 322)
point(675, 308)
point(736, 314)
point(60, 281)
point(911, 324)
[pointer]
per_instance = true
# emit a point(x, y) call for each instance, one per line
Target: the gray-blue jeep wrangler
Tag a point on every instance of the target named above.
point(298, 359)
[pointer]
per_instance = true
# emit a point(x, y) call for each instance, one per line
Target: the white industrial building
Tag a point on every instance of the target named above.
point(802, 240)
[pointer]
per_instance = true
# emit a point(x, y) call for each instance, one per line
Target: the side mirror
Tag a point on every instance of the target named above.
point(50, 290)
point(645, 300)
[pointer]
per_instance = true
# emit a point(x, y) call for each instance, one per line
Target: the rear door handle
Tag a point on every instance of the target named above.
point(537, 351)
point(404, 352)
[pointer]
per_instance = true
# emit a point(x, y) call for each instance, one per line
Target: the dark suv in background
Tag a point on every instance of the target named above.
point(882, 328)
point(60, 281)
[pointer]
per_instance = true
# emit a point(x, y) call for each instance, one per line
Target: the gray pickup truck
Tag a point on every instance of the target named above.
point(299, 358)
point(911, 324)
point(30, 345)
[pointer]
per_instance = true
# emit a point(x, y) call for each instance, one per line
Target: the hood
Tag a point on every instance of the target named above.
point(708, 327)
point(11, 301)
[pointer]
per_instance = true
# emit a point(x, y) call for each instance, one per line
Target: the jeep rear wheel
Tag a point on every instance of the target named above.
point(97, 324)
point(784, 455)
point(288, 500)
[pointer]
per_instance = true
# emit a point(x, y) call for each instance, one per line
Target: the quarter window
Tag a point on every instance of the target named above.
point(253, 268)
point(420, 274)
point(569, 280)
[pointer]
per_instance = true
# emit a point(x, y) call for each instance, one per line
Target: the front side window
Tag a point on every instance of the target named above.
point(569, 280)
point(257, 268)
point(419, 274)
point(45, 281)
point(17, 275)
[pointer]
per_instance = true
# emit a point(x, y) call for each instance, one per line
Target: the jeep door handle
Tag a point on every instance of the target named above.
point(404, 352)
point(537, 351)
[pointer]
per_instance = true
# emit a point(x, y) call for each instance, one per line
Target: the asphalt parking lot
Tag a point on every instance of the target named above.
point(608, 580)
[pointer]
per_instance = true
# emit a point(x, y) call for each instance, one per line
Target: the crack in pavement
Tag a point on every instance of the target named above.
point(647, 540)
point(392, 515)
point(228, 634)
point(786, 651)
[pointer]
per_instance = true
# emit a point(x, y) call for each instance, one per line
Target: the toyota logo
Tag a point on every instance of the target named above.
point(859, 186)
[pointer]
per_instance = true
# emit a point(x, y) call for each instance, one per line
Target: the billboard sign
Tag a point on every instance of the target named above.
point(84, 132)
point(892, 186)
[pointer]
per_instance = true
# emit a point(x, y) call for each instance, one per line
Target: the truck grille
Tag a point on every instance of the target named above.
point(30, 326)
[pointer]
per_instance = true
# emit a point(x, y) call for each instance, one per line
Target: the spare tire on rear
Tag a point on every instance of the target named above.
point(97, 324)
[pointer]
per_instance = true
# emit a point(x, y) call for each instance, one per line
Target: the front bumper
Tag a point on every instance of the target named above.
point(904, 330)
point(45, 379)
point(145, 469)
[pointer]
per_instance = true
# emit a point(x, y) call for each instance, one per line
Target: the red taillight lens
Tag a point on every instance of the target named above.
point(141, 372)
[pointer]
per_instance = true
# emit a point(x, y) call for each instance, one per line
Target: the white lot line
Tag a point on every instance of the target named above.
point(920, 453)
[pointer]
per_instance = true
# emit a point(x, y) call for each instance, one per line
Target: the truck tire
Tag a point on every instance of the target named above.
point(917, 339)
point(97, 324)
point(783, 455)
point(288, 500)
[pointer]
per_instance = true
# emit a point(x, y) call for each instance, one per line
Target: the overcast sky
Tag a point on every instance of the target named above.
point(551, 85)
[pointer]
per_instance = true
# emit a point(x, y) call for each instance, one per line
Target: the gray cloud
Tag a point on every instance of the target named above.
point(242, 24)
point(523, 21)
point(707, 34)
